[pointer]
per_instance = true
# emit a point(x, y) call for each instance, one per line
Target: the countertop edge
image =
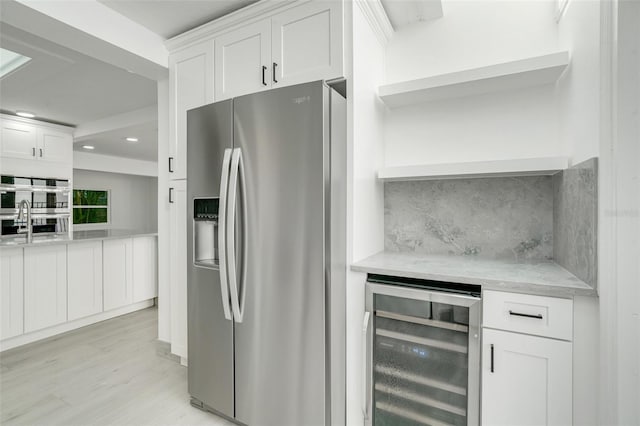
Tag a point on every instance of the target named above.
point(486, 284)
point(133, 234)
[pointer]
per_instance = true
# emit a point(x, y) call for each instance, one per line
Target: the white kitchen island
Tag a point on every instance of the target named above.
point(55, 285)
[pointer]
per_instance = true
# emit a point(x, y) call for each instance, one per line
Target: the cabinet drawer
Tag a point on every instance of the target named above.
point(525, 313)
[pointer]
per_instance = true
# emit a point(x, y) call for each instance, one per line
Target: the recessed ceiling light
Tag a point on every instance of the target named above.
point(88, 147)
point(130, 139)
point(25, 114)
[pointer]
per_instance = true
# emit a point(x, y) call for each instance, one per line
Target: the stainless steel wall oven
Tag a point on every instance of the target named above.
point(49, 200)
point(421, 350)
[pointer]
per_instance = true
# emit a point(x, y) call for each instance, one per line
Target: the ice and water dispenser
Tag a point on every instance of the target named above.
point(205, 232)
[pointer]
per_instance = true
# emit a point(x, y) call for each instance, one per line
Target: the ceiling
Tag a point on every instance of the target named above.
point(406, 12)
point(169, 18)
point(63, 86)
point(113, 142)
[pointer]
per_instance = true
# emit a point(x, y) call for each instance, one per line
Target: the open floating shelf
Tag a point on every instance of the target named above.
point(534, 71)
point(518, 167)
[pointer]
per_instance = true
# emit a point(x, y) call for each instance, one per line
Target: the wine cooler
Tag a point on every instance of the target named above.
point(421, 350)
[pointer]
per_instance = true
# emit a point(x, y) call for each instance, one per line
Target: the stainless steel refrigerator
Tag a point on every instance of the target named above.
point(266, 187)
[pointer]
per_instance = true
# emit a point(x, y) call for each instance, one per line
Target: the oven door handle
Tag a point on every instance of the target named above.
point(365, 370)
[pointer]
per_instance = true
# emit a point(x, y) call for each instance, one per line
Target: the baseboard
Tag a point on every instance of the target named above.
point(163, 350)
point(34, 336)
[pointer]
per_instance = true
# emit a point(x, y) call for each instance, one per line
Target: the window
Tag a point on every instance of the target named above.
point(90, 207)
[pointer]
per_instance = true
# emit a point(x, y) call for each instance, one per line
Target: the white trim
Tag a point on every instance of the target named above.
point(561, 9)
point(111, 164)
point(543, 166)
point(23, 339)
point(119, 121)
point(607, 226)
point(378, 20)
point(36, 122)
point(245, 16)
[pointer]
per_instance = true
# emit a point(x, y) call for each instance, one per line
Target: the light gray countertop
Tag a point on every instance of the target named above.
point(547, 278)
point(79, 236)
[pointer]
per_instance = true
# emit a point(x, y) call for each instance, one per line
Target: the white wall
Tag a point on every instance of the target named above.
point(578, 95)
point(133, 200)
point(514, 124)
point(164, 289)
point(578, 90)
point(472, 33)
point(365, 193)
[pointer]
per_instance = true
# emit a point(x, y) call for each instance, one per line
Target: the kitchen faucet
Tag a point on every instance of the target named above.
point(24, 204)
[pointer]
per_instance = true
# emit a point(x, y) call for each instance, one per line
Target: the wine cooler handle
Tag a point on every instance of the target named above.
point(365, 370)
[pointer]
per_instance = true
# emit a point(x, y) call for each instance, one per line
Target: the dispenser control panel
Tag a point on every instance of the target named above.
point(205, 209)
point(205, 232)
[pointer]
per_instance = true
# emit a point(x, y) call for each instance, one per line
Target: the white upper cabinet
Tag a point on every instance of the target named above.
point(307, 43)
point(84, 285)
point(55, 146)
point(19, 140)
point(300, 44)
point(45, 286)
point(242, 60)
point(191, 86)
point(33, 148)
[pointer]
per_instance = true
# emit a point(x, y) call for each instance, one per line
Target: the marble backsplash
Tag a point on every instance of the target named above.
point(575, 218)
point(500, 217)
point(516, 218)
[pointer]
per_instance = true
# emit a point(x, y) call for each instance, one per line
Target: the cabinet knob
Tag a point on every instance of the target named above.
point(264, 79)
point(274, 72)
point(33, 152)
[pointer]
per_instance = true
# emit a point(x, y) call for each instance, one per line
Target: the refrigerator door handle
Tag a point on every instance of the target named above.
point(237, 296)
point(365, 370)
point(222, 238)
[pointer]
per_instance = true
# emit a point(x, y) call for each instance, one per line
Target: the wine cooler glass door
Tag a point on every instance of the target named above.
point(423, 357)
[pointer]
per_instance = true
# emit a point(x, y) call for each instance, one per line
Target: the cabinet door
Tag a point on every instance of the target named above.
point(526, 381)
point(145, 266)
point(242, 61)
point(84, 286)
point(18, 140)
point(55, 146)
point(178, 267)
point(45, 286)
point(190, 86)
point(117, 273)
point(11, 288)
point(307, 43)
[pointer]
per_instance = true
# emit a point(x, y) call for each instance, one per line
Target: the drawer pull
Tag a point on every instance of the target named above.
point(520, 314)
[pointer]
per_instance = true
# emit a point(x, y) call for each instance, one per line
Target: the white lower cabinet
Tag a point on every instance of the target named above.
point(84, 285)
point(178, 267)
point(526, 379)
point(145, 268)
point(45, 286)
point(118, 273)
point(11, 293)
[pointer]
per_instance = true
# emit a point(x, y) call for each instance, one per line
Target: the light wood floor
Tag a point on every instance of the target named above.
point(106, 373)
